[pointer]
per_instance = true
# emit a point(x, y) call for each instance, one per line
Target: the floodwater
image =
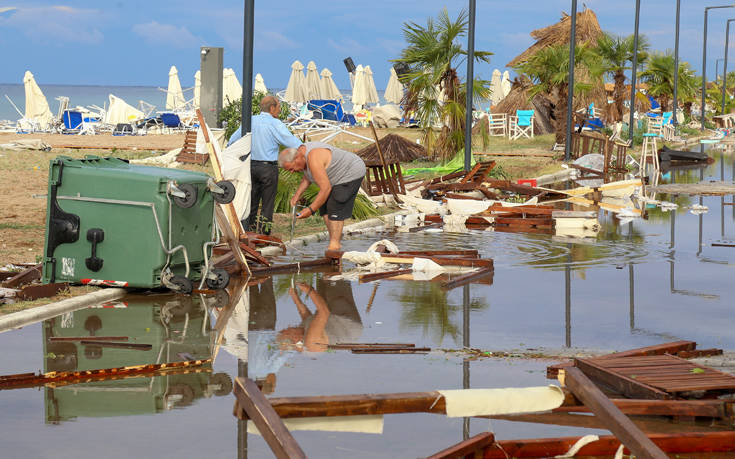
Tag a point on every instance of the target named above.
point(638, 284)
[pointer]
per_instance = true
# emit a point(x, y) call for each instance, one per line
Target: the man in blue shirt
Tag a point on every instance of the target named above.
point(268, 133)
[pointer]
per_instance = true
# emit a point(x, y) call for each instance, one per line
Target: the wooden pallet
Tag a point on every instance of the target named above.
point(188, 152)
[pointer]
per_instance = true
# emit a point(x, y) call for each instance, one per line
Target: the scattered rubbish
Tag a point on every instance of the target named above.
point(697, 209)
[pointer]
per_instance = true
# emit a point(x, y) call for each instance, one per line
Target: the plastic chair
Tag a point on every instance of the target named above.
point(330, 110)
point(650, 148)
point(74, 123)
point(171, 121)
point(497, 124)
point(521, 125)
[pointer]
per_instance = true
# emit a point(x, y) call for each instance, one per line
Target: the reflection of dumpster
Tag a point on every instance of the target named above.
point(177, 328)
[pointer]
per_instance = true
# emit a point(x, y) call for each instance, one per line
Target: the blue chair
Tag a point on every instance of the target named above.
point(171, 121)
point(73, 121)
point(330, 110)
point(521, 125)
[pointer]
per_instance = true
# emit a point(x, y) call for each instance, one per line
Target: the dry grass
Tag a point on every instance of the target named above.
point(68, 293)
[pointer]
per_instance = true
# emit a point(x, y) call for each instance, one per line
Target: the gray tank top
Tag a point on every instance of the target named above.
point(344, 167)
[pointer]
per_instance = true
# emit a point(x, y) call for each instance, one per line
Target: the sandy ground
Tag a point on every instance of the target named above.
point(157, 142)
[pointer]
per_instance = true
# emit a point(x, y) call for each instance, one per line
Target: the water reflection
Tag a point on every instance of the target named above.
point(176, 327)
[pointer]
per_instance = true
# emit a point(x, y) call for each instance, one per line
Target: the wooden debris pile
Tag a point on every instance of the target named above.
point(25, 285)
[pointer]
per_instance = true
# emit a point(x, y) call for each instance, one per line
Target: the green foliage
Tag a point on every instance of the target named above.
point(660, 79)
point(436, 95)
point(231, 114)
point(289, 181)
point(616, 52)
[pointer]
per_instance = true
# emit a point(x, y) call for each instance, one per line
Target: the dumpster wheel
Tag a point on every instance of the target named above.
point(224, 382)
point(181, 284)
point(191, 196)
point(228, 195)
point(220, 280)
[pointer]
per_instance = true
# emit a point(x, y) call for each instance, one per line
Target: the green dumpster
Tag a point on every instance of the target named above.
point(109, 222)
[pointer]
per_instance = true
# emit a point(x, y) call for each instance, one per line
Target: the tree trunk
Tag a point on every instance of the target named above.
point(688, 109)
point(559, 120)
point(619, 93)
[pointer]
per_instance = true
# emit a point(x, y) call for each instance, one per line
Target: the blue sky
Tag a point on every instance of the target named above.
point(134, 42)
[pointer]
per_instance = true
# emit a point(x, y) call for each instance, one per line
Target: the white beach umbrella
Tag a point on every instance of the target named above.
point(496, 89)
point(373, 97)
point(260, 85)
point(231, 87)
point(197, 88)
point(120, 111)
point(312, 82)
point(394, 90)
point(360, 91)
point(296, 91)
point(174, 95)
point(37, 108)
point(329, 89)
point(505, 83)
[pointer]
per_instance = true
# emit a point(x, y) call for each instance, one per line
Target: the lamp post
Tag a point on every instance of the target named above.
point(704, 58)
point(570, 83)
point(724, 69)
point(676, 63)
point(470, 81)
point(247, 69)
point(634, 70)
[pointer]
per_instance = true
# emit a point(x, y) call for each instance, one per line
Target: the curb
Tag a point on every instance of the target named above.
point(39, 313)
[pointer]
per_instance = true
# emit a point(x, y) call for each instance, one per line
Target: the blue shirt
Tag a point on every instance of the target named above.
point(268, 134)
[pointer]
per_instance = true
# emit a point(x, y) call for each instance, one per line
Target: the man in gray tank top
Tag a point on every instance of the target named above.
point(338, 174)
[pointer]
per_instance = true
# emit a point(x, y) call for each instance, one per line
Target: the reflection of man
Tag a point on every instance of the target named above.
point(268, 133)
point(338, 174)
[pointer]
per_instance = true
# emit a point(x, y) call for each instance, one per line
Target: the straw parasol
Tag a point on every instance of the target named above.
point(396, 149)
point(360, 91)
point(37, 108)
point(312, 82)
point(231, 88)
point(119, 111)
point(394, 90)
point(260, 84)
point(373, 97)
point(496, 90)
point(295, 90)
point(197, 88)
point(328, 88)
point(174, 95)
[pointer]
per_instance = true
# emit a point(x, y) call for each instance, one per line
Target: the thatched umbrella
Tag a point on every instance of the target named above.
point(396, 149)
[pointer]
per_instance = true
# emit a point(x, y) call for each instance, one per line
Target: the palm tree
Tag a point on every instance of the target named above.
point(549, 70)
point(616, 53)
point(659, 75)
point(436, 94)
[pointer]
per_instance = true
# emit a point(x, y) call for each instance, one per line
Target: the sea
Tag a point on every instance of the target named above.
point(87, 96)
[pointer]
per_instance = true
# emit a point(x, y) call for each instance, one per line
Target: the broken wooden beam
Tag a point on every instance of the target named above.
point(640, 407)
point(613, 419)
point(400, 258)
point(350, 346)
point(292, 267)
point(36, 291)
point(467, 278)
point(622, 384)
point(384, 275)
point(59, 339)
point(269, 424)
point(393, 350)
point(470, 448)
point(438, 253)
point(26, 276)
point(136, 346)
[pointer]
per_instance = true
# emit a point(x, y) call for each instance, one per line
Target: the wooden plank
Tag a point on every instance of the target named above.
point(389, 178)
point(389, 350)
point(622, 384)
point(639, 407)
point(437, 253)
point(468, 262)
point(58, 339)
point(702, 442)
point(470, 448)
point(467, 278)
point(36, 291)
point(271, 427)
point(523, 154)
point(136, 346)
point(292, 267)
point(622, 427)
point(26, 276)
point(384, 275)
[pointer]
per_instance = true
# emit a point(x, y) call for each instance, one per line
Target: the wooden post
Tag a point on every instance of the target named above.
point(391, 184)
point(619, 424)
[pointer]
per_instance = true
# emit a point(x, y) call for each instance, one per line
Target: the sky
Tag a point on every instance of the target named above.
point(135, 42)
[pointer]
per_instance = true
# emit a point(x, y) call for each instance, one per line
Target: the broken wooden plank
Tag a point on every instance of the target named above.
point(384, 275)
point(136, 346)
point(59, 339)
point(470, 448)
point(621, 384)
point(438, 253)
point(467, 278)
point(349, 346)
point(523, 154)
point(696, 353)
point(392, 350)
point(26, 276)
point(639, 407)
point(292, 267)
point(36, 291)
point(265, 418)
point(619, 424)
point(443, 261)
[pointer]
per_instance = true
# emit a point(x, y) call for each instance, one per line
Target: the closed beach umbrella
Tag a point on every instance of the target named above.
point(312, 82)
point(329, 89)
point(394, 90)
point(197, 88)
point(296, 91)
point(120, 112)
point(360, 91)
point(36, 104)
point(231, 88)
point(260, 84)
point(496, 89)
point(174, 94)
point(373, 91)
point(505, 83)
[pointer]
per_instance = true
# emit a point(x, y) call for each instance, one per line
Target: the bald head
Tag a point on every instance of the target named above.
point(269, 104)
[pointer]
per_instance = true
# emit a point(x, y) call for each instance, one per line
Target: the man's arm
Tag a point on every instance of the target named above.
point(284, 137)
point(318, 159)
point(300, 190)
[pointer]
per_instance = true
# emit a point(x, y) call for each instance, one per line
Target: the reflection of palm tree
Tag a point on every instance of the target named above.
point(425, 304)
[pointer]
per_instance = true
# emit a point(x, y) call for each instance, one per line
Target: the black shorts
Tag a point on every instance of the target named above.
point(341, 200)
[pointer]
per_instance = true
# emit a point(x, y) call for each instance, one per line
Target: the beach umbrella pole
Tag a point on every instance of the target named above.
point(247, 68)
point(470, 81)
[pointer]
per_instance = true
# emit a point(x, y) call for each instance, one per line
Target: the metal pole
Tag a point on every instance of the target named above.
point(247, 69)
point(570, 83)
point(676, 63)
point(704, 67)
point(470, 81)
point(724, 69)
point(631, 127)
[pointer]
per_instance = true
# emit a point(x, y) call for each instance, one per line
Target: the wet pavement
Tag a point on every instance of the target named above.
point(638, 284)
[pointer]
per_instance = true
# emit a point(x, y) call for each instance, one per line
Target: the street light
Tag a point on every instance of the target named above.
point(570, 83)
point(724, 70)
point(704, 58)
point(676, 62)
point(470, 82)
point(634, 69)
